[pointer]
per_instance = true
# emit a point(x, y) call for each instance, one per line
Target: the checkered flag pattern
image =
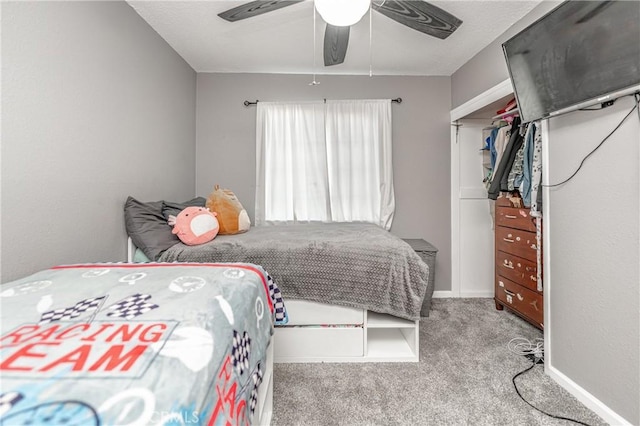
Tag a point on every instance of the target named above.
point(132, 306)
point(241, 351)
point(257, 379)
point(279, 310)
point(66, 314)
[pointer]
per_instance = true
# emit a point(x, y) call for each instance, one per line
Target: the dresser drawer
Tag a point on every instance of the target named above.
point(515, 241)
point(515, 218)
point(520, 299)
point(517, 269)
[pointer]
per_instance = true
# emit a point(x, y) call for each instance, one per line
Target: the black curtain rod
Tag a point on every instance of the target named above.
point(249, 103)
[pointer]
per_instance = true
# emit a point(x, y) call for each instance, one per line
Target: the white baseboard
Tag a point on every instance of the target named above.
point(589, 401)
point(442, 294)
point(478, 293)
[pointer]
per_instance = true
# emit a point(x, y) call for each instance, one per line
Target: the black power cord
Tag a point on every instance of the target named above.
point(535, 362)
point(635, 107)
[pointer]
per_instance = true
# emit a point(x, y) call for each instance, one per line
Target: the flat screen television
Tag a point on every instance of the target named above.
point(581, 53)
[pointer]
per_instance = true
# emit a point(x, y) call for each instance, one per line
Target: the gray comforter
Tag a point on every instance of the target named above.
point(358, 265)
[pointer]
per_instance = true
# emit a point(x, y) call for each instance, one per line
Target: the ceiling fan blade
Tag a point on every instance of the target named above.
point(336, 40)
point(420, 16)
point(254, 8)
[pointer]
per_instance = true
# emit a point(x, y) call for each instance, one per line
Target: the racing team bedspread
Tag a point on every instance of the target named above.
point(123, 344)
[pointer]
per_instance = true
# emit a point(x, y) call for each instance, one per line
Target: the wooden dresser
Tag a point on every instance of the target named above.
point(516, 285)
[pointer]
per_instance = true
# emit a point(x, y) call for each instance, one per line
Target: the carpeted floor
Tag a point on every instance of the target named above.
point(463, 378)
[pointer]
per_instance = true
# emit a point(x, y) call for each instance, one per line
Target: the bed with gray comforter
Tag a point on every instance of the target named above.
point(350, 264)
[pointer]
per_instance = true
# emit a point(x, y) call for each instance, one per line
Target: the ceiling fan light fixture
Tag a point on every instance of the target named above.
point(342, 13)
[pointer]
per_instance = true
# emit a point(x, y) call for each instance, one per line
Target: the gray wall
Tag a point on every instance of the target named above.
point(421, 158)
point(95, 106)
point(593, 239)
point(595, 257)
point(488, 67)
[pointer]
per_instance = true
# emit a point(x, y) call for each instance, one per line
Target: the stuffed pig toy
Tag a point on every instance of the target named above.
point(195, 225)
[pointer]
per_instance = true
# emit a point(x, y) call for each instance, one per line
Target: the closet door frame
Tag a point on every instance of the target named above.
point(473, 107)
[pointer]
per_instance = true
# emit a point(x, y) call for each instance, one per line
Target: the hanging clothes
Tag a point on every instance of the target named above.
point(502, 139)
point(527, 163)
point(491, 145)
point(515, 175)
point(506, 160)
point(536, 194)
point(514, 148)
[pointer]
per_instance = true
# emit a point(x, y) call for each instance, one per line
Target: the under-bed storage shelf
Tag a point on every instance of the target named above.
point(389, 344)
point(329, 333)
point(391, 338)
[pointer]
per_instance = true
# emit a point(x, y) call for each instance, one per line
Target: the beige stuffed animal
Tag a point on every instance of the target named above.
point(232, 217)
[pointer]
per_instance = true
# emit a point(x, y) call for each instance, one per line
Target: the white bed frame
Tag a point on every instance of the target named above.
point(131, 250)
point(319, 332)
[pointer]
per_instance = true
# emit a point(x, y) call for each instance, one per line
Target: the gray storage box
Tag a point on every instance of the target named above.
point(427, 252)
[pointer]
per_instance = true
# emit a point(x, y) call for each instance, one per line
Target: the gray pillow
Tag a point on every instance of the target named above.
point(169, 208)
point(147, 226)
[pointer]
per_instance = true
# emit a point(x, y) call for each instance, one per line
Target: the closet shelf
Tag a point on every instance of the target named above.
point(504, 114)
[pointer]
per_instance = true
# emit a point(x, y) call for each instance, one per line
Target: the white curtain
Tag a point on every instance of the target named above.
point(291, 163)
point(324, 162)
point(358, 135)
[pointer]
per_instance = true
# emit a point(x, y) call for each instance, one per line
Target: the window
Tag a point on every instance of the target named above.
point(328, 162)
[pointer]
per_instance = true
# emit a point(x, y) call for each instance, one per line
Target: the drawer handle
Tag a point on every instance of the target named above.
point(510, 216)
point(507, 264)
point(509, 295)
point(508, 240)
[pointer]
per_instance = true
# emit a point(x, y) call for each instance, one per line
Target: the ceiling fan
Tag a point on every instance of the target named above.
point(417, 14)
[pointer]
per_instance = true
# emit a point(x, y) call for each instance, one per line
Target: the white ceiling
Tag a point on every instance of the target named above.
point(281, 41)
